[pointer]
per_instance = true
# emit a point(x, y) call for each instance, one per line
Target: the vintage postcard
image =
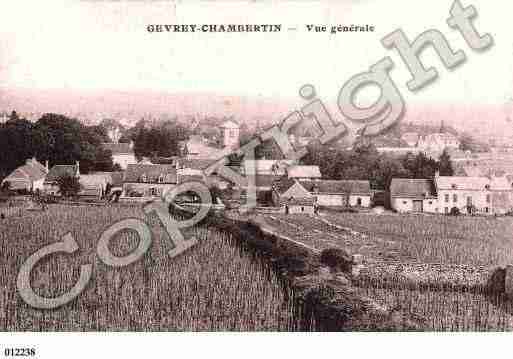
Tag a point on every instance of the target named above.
point(255, 166)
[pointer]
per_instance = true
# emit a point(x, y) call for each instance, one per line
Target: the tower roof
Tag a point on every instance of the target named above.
point(230, 124)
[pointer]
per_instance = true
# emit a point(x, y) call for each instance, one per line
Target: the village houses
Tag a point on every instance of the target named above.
point(446, 194)
point(29, 177)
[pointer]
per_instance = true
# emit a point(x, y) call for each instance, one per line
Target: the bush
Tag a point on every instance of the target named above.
point(337, 259)
point(454, 211)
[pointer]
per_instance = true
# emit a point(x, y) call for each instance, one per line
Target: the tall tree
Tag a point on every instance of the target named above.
point(445, 164)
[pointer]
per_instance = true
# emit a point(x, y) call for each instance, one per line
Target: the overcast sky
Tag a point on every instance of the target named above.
point(104, 45)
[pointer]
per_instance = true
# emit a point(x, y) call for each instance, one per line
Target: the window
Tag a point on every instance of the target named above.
point(302, 209)
point(446, 198)
point(154, 191)
point(405, 202)
point(469, 201)
point(143, 177)
point(453, 186)
point(488, 198)
point(487, 209)
point(487, 186)
point(455, 198)
point(161, 178)
point(430, 202)
point(446, 210)
point(359, 201)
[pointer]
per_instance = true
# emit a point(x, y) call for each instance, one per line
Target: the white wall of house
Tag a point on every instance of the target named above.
point(431, 205)
point(365, 201)
point(298, 209)
point(331, 200)
point(406, 205)
point(151, 190)
point(124, 159)
point(448, 199)
point(38, 185)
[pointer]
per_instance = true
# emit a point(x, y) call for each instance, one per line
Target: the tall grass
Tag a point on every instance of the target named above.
point(480, 241)
point(213, 286)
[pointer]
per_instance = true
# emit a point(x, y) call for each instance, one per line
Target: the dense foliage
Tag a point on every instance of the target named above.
point(54, 138)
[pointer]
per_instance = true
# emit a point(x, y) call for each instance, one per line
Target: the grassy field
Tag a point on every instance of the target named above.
point(451, 309)
point(213, 286)
point(477, 241)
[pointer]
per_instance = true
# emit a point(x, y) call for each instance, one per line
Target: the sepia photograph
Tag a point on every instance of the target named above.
point(171, 168)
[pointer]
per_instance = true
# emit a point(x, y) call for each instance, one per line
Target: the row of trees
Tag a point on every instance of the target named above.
point(365, 162)
point(54, 138)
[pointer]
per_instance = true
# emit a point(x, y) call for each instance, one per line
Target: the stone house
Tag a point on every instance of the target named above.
point(474, 195)
point(149, 180)
point(413, 195)
point(327, 193)
point(29, 177)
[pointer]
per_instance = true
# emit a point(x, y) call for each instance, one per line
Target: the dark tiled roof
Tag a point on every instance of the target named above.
point(304, 201)
point(135, 172)
point(198, 164)
point(283, 184)
point(118, 148)
point(58, 171)
point(337, 186)
point(266, 180)
point(407, 187)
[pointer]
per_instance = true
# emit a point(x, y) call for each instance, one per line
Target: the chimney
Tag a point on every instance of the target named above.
point(47, 165)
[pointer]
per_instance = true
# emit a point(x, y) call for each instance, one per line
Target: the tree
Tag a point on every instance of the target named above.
point(69, 186)
point(159, 140)
point(445, 165)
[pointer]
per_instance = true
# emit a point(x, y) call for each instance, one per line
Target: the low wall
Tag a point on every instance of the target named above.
point(433, 276)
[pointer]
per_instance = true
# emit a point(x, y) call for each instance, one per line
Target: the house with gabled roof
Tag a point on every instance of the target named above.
point(29, 177)
point(413, 195)
point(325, 193)
point(149, 180)
point(474, 195)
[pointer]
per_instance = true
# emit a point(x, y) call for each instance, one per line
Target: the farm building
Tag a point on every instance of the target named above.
point(299, 206)
point(149, 180)
point(340, 193)
point(472, 195)
point(413, 195)
point(122, 153)
point(94, 186)
point(29, 177)
point(50, 185)
point(329, 193)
